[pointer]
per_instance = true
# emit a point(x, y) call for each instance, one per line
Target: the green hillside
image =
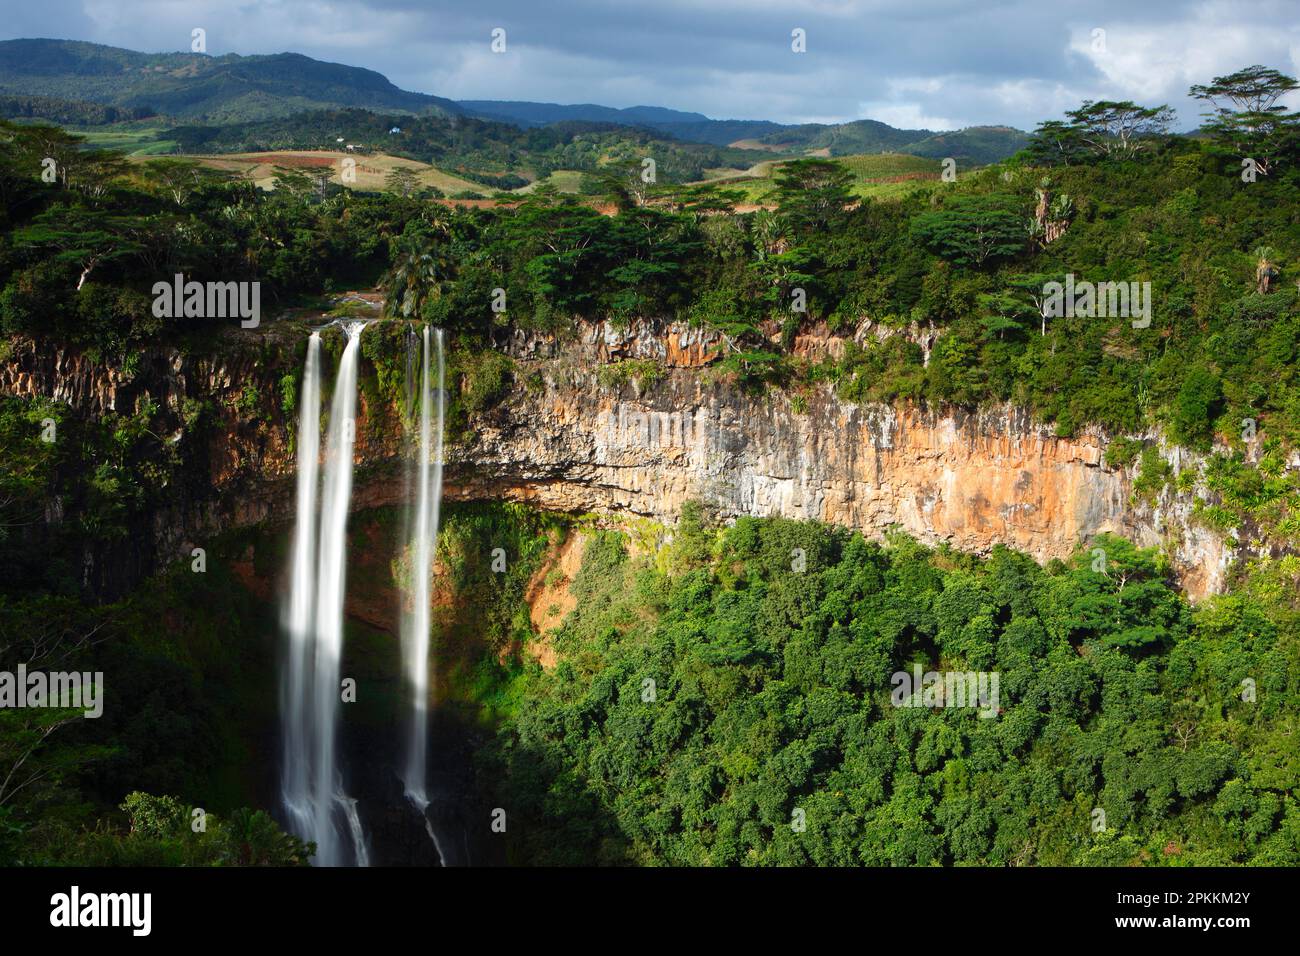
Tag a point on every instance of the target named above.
point(860, 136)
point(975, 146)
point(228, 88)
point(499, 155)
point(978, 145)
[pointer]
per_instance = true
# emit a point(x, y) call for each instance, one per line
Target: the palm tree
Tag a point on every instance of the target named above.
point(415, 277)
point(770, 237)
point(1265, 270)
point(256, 840)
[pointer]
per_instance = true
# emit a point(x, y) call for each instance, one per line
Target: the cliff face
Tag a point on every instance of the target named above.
point(972, 479)
point(561, 439)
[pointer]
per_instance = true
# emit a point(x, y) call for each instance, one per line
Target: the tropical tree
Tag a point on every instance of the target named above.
point(42, 148)
point(1029, 288)
point(291, 184)
point(1055, 142)
point(415, 276)
point(1001, 313)
point(1247, 118)
point(80, 237)
point(401, 180)
point(1119, 129)
point(972, 230)
point(180, 178)
point(812, 193)
point(628, 184)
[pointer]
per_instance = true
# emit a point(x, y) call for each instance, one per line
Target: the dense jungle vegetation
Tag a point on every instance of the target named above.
point(770, 694)
point(771, 685)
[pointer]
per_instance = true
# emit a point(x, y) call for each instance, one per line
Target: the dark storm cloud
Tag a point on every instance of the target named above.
point(940, 63)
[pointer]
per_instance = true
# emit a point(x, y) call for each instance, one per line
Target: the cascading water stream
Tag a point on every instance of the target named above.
point(327, 782)
point(294, 790)
point(317, 807)
point(424, 539)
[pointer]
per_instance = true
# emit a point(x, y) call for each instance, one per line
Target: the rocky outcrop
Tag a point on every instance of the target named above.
point(974, 480)
point(561, 439)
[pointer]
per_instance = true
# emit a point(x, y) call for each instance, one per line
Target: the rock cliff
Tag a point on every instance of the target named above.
point(567, 437)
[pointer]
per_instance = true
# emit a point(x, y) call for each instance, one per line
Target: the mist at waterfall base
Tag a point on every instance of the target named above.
point(366, 797)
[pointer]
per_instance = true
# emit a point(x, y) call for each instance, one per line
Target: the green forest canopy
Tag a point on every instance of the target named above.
point(698, 704)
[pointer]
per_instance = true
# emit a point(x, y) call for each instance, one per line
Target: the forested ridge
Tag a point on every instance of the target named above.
point(229, 88)
point(288, 98)
point(492, 152)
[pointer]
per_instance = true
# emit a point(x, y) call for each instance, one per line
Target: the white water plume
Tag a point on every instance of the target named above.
point(315, 802)
point(423, 543)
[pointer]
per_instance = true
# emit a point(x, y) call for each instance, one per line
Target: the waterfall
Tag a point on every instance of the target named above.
point(295, 733)
point(316, 806)
point(424, 540)
point(327, 785)
point(315, 803)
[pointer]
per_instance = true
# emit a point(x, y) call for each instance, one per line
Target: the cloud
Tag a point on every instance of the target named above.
point(931, 63)
point(1150, 62)
point(904, 116)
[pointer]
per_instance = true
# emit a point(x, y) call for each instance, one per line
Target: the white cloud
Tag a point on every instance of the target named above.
point(1157, 62)
point(924, 63)
point(904, 116)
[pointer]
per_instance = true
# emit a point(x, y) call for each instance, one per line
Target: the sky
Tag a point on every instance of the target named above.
point(935, 64)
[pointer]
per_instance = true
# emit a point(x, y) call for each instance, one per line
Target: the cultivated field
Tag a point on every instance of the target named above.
point(878, 175)
point(130, 140)
point(564, 180)
point(371, 169)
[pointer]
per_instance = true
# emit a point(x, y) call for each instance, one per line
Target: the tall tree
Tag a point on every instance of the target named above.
point(401, 180)
point(1119, 129)
point(1055, 142)
point(1029, 288)
point(81, 237)
point(179, 179)
point(1247, 118)
point(812, 193)
point(973, 230)
point(416, 274)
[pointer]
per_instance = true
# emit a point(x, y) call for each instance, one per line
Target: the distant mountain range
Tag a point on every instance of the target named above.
point(981, 144)
point(58, 79)
point(219, 89)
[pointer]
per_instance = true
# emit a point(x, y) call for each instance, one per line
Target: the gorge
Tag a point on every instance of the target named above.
point(582, 494)
point(611, 427)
